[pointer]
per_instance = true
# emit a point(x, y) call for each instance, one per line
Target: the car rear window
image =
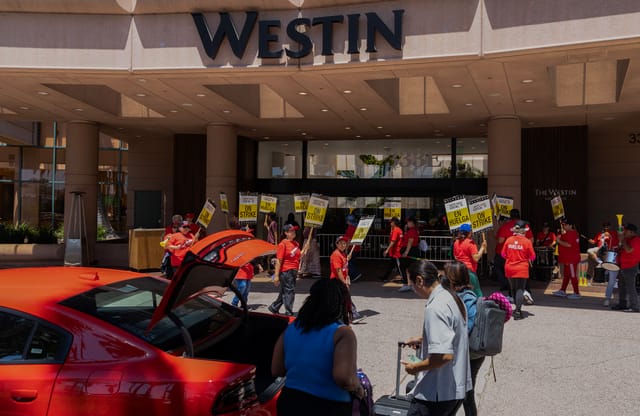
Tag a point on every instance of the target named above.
point(130, 304)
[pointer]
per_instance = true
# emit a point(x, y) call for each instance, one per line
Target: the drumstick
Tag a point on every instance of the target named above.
point(584, 236)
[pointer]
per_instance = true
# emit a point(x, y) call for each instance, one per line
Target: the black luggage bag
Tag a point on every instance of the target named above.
point(393, 404)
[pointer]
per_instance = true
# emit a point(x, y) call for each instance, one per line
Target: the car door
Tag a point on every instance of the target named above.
point(31, 355)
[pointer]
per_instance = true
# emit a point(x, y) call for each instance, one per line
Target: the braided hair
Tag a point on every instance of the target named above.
point(329, 301)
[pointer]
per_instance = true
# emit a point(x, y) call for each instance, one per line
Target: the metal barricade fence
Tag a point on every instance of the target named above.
point(439, 246)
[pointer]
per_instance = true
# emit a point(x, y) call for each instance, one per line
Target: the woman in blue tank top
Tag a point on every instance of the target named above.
point(317, 353)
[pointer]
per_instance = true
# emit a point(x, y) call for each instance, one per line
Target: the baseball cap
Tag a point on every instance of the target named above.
point(465, 228)
point(351, 219)
point(520, 226)
point(288, 227)
point(631, 227)
point(184, 224)
point(342, 238)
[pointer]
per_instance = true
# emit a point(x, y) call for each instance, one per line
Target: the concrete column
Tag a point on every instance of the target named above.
point(222, 171)
point(505, 164)
point(81, 175)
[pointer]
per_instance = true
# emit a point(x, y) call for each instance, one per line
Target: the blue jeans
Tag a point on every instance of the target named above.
point(243, 286)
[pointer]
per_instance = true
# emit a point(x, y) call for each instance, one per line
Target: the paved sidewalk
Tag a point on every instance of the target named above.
point(567, 357)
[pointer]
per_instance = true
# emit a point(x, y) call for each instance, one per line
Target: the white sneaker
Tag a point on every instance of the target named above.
point(607, 302)
point(574, 296)
point(560, 293)
point(528, 299)
point(405, 288)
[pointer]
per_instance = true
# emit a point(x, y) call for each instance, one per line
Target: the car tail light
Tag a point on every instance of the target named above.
point(236, 398)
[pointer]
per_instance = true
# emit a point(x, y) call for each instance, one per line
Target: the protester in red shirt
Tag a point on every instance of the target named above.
point(174, 227)
point(628, 257)
point(503, 233)
point(569, 257)
point(339, 264)
point(604, 241)
point(286, 272)
point(393, 251)
point(518, 252)
point(243, 281)
point(409, 250)
point(179, 244)
point(546, 237)
point(466, 251)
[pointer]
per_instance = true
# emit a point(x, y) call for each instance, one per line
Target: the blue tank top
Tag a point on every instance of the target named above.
point(308, 359)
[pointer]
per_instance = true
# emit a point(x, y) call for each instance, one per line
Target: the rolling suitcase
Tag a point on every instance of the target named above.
point(394, 404)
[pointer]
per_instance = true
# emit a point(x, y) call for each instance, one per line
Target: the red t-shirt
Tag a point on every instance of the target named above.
point(338, 261)
point(245, 272)
point(396, 235)
point(569, 255)
point(610, 241)
point(505, 232)
point(546, 240)
point(179, 239)
point(517, 251)
point(288, 252)
point(463, 251)
point(411, 233)
point(628, 260)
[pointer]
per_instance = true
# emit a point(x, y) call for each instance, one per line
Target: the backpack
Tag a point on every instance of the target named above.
point(364, 406)
point(486, 337)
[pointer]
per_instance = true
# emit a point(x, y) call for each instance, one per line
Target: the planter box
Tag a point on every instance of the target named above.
point(114, 255)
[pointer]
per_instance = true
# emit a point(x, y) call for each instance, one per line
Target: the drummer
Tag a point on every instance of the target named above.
point(546, 237)
point(604, 240)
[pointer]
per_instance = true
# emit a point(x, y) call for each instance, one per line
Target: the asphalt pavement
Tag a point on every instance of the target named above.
point(566, 357)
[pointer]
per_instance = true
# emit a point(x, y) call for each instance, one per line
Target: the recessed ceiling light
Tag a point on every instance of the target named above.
point(387, 135)
point(24, 108)
point(201, 95)
point(347, 91)
point(173, 111)
point(325, 144)
point(468, 104)
point(483, 141)
point(437, 141)
point(379, 127)
point(439, 135)
point(527, 81)
point(482, 125)
point(303, 133)
point(347, 128)
point(78, 109)
point(303, 93)
point(358, 136)
point(324, 110)
point(494, 94)
point(531, 123)
point(186, 104)
point(120, 128)
point(456, 85)
point(226, 111)
point(142, 80)
point(43, 93)
point(141, 94)
point(266, 137)
point(529, 100)
point(363, 108)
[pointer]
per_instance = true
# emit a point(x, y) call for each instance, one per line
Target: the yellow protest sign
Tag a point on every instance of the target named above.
point(268, 204)
point(505, 205)
point(204, 219)
point(480, 214)
point(557, 207)
point(361, 230)
point(457, 212)
point(392, 208)
point(248, 208)
point(224, 203)
point(316, 212)
point(300, 203)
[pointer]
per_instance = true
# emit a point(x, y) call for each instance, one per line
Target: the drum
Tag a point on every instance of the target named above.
point(609, 261)
point(544, 257)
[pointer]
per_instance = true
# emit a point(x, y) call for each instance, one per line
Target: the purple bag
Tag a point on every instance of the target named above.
point(364, 406)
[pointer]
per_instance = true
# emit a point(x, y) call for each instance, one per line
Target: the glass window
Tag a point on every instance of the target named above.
point(22, 338)
point(363, 159)
point(280, 160)
point(472, 157)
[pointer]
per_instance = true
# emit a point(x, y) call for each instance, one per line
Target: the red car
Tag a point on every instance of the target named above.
point(89, 341)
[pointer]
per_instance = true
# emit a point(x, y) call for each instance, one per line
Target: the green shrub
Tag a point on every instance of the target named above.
point(25, 233)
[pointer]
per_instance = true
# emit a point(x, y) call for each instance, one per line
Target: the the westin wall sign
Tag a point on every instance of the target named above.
point(296, 31)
